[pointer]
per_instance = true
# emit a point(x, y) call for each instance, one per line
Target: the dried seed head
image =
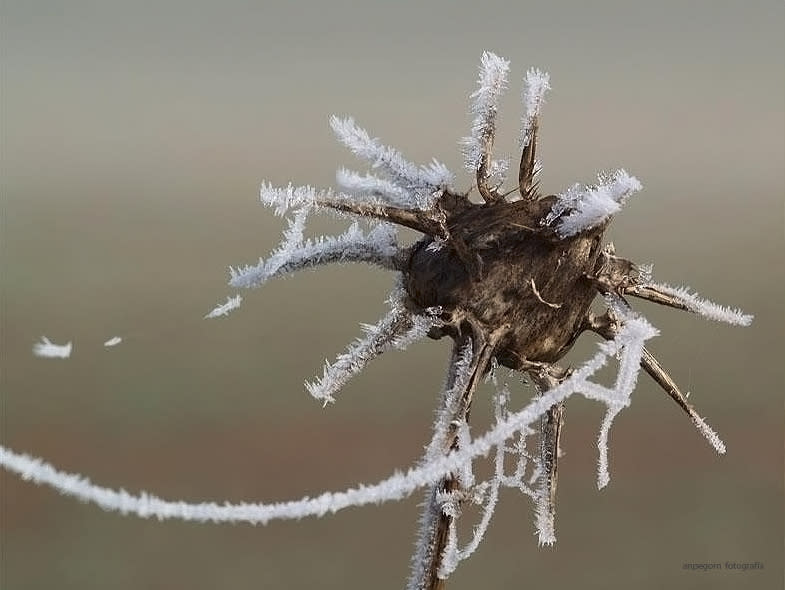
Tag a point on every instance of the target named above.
point(510, 276)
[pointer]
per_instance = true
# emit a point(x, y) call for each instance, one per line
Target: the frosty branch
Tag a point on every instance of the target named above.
point(509, 277)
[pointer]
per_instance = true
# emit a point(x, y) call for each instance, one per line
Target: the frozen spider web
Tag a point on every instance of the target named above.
point(628, 344)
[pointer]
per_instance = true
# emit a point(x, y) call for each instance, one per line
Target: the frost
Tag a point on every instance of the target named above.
point(388, 160)
point(485, 103)
point(378, 247)
point(535, 85)
point(397, 329)
point(588, 207)
point(396, 487)
point(370, 185)
point(222, 309)
point(282, 199)
point(694, 303)
point(457, 381)
point(709, 434)
point(47, 349)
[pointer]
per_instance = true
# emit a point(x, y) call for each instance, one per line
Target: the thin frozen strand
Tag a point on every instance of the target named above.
point(113, 341)
point(543, 521)
point(630, 362)
point(489, 507)
point(223, 309)
point(48, 349)
point(590, 206)
point(396, 487)
point(704, 307)
point(535, 85)
point(485, 102)
point(378, 247)
point(518, 478)
point(603, 477)
point(711, 436)
point(452, 559)
point(626, 379)
point(389, 160)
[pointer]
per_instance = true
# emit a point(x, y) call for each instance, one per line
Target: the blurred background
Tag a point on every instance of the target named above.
point(134, 138)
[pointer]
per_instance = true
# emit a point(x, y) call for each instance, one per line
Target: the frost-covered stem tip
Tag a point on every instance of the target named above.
point(655, 370)
point(683, 298)
point(550, 429)
point(535, 85)
point(478, 147)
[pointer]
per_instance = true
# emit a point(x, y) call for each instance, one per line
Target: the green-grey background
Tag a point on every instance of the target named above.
point(134, 137)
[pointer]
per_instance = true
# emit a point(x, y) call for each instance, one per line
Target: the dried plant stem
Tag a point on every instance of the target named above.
point(435, 524)
point(552, 424)
point(527, 171)
point(550, 437)
point(421, 221)
point(651, 293)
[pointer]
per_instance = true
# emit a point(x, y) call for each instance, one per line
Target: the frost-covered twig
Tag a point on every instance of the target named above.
point(378, 247)
point(658, 373)
point(282, 199)
point(535, 85)
point(388, 160)
point(478, 147)
point(683, 298)
point(397, 329)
